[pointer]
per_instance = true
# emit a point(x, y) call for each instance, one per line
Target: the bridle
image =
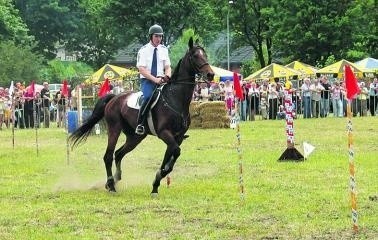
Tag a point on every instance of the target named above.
point(197, 74)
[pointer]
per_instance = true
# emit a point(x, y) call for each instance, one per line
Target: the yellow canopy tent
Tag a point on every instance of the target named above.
point(304, 68)
point(110, 72)
point(369, 66)
point(338, 68)
point(272, 71)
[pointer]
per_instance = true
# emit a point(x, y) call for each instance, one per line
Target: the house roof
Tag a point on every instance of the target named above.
point(127, 55)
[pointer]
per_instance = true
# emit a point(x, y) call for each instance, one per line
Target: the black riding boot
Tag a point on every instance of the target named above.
point(142, 118)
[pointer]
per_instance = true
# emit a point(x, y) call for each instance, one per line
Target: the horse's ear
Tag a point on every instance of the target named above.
point(190, 44)
point(197, 42)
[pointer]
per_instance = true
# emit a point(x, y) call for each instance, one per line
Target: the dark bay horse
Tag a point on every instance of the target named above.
point(170, 117)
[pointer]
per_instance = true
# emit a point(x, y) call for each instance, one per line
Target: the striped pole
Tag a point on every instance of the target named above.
point(352, 178)
point(240, 156)
point(241, 182)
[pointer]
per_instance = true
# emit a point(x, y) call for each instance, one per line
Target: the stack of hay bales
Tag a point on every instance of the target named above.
point(209, 115)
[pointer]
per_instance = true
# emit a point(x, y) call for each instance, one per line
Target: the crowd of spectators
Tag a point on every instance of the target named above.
point(312, 98)
point(32, 108)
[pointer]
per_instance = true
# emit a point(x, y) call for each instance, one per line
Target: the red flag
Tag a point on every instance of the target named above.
point(65, 88)
point(31, 89)
point(237, 87)
point(350, 83)
point(104, 88)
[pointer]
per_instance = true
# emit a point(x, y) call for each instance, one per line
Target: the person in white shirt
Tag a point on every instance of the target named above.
point(152, 76)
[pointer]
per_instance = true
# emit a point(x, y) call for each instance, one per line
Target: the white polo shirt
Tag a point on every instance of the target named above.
point(144, 58)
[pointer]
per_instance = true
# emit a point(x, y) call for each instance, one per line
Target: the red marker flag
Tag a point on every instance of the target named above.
point(104, 88)
point(237, 87)
point(350, 83)
point(31, 89)
point(65, 88)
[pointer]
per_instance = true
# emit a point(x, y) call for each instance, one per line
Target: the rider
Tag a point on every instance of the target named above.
point(151, 78)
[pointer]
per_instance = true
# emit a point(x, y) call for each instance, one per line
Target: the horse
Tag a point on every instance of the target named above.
point(170, 117)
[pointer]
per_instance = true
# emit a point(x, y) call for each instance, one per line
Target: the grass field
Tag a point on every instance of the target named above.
point(47, 197)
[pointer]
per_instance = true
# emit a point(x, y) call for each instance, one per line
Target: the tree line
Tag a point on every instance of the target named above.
point(277, 30)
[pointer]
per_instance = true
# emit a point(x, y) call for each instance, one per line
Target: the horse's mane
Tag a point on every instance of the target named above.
point(175, 72)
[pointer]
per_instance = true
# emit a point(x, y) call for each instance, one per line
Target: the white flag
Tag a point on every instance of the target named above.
point(11, 89)
point(307, 149)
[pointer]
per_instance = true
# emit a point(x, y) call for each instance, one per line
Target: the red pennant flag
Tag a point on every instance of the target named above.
point(104, 88)
point(31, 89)
point(237, 88)
point(350, 83)
point(65, 88)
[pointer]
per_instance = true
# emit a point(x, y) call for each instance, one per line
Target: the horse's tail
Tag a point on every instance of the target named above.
point(81, 134)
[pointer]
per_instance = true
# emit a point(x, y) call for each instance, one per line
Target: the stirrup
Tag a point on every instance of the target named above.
point(139, 129)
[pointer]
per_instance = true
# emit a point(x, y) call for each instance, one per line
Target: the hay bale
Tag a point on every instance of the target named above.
point(211, 114)
point(194, 108)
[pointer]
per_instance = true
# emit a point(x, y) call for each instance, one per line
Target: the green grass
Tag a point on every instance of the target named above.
point(44, 197)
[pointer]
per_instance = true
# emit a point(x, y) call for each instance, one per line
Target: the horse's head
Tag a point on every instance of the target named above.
point(198, 61)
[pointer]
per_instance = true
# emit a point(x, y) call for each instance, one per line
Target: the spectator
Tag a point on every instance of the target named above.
point(316, 89)
point(362, 100)
point(19, 109)
point(272, 101)
point(45, 95)
point(28, 109)
point(306, 92)
point(264, 102)
point(243, 101)
point(373, 96)
point(254, 100)
point(337, 104)
point(60, 100)
point(204, 94)
point(229, 96)
point(2, 107)
point(324, 97)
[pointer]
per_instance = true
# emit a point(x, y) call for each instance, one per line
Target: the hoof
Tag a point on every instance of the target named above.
point(110, 189)
point(154, 195)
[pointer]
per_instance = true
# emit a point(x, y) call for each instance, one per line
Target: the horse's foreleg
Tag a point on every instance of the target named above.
point(170, 157)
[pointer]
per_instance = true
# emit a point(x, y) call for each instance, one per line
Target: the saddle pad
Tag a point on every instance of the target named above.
point(134, 100)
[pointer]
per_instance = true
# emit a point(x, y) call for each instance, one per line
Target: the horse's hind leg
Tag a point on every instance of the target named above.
point(113, 134)
point(130, 144)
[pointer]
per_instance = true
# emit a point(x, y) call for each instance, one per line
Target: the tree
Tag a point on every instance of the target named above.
point(363, 16)
point(11, 25)
point(98, 38)
point(51, 22)
point(135, 17)
point(18, 63)
point(250, 22)
point(311, 31)
point(56, 71)
point(180, 46)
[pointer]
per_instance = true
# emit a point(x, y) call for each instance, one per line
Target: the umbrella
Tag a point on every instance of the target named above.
point(338, 68)
point(304, 68)
point(273, 70)
point(110, 72)
point(369, 64)
point(222, 74)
